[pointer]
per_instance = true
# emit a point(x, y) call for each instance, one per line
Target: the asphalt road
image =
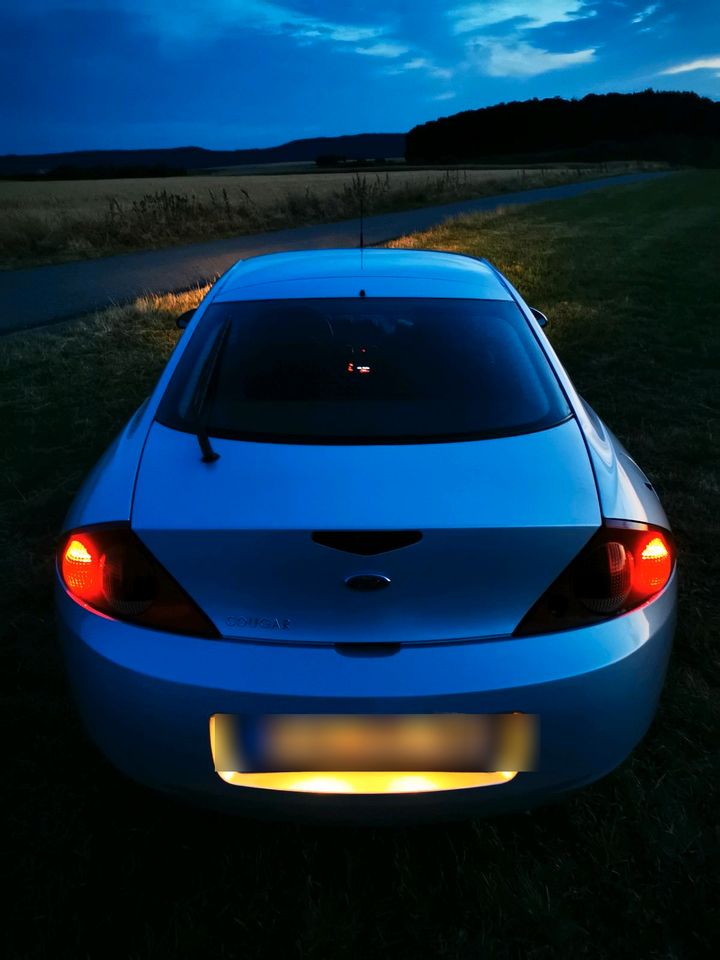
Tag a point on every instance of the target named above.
point(39, 295)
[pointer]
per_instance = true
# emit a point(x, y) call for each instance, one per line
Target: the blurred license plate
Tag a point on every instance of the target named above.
point(417, 742)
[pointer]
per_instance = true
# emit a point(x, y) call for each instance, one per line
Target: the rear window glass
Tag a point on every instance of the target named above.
point(364, 370)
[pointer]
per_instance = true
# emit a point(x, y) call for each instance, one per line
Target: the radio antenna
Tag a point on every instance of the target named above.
point(362, 223)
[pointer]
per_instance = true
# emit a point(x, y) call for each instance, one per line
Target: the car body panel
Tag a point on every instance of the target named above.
point(146, 699)
point(107, 492)
point(624, 489)
point(346, 287)
point(500, 521)
point(382, 273)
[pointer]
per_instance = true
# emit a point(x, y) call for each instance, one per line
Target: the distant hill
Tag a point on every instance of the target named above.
point(357, 147)
point(678, 127)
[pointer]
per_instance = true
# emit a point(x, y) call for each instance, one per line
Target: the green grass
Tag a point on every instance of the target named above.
point(627, 868)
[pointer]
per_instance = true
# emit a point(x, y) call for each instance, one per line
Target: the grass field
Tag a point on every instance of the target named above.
point(628, 868)
point(44, 222)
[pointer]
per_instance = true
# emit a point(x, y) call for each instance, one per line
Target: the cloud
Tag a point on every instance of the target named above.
point(534, 13)
point(644, 14)
point(196, 20)
point(383, 50)
point(199, 19)
point(448, 95)
point(497, 58)
point(427, 66)
point(704, 63)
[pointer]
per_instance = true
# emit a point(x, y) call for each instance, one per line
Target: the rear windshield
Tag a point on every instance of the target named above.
point(364, 370)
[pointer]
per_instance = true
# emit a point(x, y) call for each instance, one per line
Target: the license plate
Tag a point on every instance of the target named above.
point(343, 742)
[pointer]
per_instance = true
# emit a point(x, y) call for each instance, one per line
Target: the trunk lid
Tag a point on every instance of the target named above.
point(479, 530)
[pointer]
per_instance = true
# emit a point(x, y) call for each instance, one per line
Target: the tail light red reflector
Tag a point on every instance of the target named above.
point(624, 565)
point(653, 567)
point(109, 570)
point(81, 567)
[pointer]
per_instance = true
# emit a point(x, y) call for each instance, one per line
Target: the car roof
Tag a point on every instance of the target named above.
point(344, 273)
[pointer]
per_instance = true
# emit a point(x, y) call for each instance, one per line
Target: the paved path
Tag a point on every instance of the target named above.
point(39, 295)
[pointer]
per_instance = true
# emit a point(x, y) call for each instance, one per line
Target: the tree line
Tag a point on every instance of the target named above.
point(680, 127)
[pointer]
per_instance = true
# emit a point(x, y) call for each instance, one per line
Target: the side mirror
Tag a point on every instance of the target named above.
point(184, 319)
point(539, 316)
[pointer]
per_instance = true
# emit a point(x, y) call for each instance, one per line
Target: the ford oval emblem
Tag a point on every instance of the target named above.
point(368, 581)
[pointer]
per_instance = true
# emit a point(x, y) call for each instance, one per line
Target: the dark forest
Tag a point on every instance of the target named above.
point(677, 127)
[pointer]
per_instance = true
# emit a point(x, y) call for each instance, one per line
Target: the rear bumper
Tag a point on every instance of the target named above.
point(146, 699)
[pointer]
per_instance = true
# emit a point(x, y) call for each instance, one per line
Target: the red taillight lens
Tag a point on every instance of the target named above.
point(653, 566)
point(80, 567)
point(109, 570)
point(624, 565)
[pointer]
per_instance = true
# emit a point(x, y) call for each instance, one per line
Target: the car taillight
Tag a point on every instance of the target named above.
point(624, 565)
point(109, 570)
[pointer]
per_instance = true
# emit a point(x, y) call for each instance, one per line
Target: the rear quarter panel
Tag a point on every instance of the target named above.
point(624, 491)
point(108, 490)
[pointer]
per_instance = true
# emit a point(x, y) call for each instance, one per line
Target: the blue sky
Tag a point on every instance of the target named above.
point(84, 74)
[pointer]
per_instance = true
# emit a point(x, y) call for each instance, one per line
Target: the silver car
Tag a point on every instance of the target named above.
point(365, 552)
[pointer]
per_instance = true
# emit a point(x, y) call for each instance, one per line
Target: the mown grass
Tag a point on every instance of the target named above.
point(627, 868)
point(60, 220)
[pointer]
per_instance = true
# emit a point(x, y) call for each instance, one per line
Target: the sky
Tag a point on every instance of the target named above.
point(225, 74)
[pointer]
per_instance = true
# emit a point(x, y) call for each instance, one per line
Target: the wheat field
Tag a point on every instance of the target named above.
point(51, 221)
point(91, 197)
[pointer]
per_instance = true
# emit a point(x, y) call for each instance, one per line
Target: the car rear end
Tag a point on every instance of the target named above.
point(393, 593)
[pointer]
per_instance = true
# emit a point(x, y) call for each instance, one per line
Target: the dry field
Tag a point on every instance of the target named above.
point(50, 221)
point(90, 198)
